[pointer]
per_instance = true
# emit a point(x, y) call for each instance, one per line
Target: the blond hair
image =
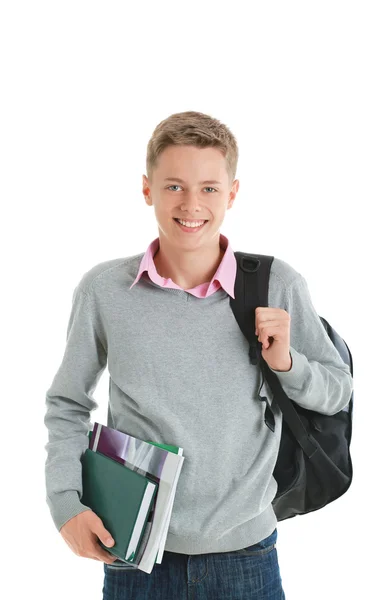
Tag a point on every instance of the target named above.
point(194, 129)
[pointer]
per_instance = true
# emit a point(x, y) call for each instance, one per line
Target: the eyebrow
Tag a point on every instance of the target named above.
point(181, 180)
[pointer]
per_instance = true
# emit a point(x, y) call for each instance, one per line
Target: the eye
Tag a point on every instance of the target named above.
point(206, 188)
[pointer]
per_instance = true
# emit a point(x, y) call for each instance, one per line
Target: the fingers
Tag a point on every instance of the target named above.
point(99, 553)
point(104, 556)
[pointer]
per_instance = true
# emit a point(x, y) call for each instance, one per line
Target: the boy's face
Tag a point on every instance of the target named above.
point(189, 199)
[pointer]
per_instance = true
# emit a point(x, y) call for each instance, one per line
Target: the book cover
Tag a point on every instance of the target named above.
point(179, 451)
point(158, 464)
point(121, 498)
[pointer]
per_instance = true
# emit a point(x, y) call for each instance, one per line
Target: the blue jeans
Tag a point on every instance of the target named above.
point(251, 573)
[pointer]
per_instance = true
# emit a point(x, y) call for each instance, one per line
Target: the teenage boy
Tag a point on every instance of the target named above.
point(179, 374)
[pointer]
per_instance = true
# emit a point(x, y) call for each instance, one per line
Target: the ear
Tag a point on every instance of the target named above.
point(146, 190)
point(233, 193)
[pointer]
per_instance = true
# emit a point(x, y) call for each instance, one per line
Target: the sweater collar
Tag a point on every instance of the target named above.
point(223, 277)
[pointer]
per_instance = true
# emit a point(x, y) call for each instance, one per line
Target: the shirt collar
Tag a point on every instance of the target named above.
point(223, 277)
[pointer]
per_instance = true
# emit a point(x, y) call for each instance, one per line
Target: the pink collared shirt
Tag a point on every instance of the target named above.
point(224, 276)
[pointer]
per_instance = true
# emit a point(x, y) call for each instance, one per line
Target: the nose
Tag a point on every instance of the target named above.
point(190, 204)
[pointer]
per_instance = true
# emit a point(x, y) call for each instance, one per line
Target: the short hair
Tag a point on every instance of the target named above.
point(194, 129)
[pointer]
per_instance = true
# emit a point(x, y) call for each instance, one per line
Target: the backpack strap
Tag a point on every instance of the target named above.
point(252, 290)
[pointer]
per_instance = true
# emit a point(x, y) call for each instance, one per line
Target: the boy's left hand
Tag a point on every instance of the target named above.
point(273, 330)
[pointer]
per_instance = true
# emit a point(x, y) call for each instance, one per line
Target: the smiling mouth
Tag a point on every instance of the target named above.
point(192, 221)
point(190, 229)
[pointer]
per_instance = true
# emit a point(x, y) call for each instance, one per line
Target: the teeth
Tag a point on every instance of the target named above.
point(194, 224)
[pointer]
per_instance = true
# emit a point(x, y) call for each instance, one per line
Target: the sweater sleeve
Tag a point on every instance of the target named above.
point(69, 401)
point(318, 379)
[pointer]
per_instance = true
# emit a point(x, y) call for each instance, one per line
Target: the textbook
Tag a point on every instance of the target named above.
point(179, 451)
point(121, 498)
point(160, 464)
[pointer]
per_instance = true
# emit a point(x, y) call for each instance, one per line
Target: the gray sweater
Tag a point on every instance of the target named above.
point(179, 373)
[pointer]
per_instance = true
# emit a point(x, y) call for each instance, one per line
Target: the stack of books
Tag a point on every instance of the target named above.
point(131, 484)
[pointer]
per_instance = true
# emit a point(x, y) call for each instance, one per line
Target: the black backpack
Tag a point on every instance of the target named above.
point(314, 465)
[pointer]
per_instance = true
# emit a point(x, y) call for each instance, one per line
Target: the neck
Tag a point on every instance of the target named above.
point(188, 268)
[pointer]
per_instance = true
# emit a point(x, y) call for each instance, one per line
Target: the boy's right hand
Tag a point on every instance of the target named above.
point(82, 533)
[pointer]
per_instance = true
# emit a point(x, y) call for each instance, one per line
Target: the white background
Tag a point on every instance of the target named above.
point(302, 85)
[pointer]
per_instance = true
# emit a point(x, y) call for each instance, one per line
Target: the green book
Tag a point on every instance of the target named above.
point(169, 447)
point(122, 499)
